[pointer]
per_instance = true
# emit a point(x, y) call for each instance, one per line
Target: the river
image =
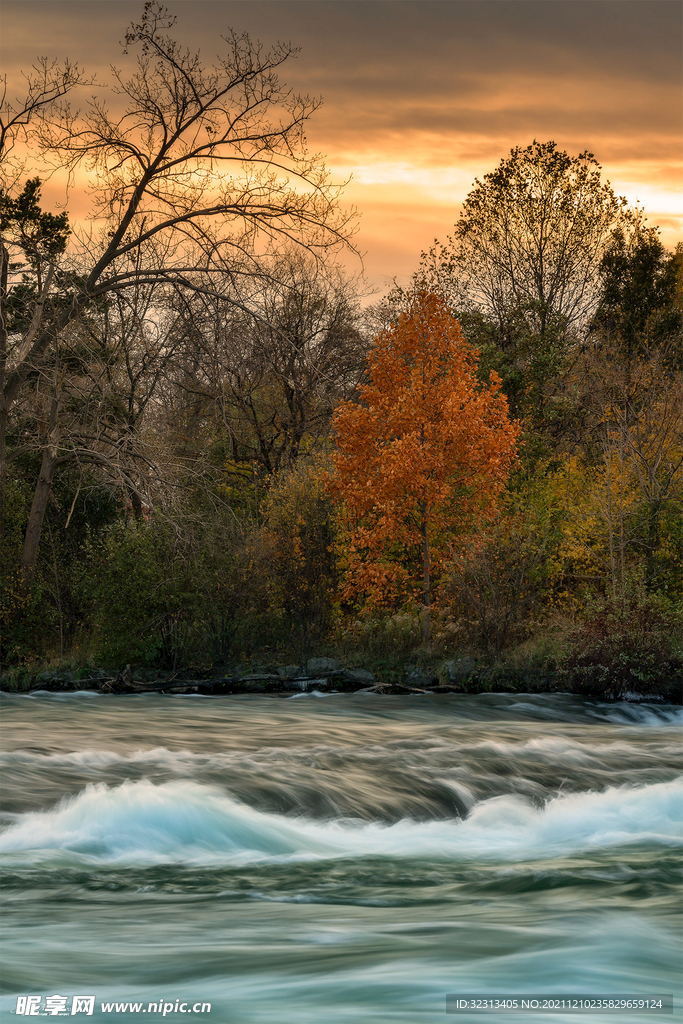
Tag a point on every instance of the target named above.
point(337, 858)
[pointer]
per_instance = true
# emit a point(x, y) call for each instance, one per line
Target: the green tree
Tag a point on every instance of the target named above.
point(640, 294)
point(531, 368)
point(41, 236)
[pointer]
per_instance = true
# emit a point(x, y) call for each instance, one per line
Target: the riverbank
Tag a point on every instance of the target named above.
point(328, 675)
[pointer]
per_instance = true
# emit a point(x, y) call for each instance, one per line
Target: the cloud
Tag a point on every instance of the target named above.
point(421, 96)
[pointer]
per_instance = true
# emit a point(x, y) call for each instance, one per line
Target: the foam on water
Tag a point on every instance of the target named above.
point(311, 693)
point(184, 822)
point(624, 713)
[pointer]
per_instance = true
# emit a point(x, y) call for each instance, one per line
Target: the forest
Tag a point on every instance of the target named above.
point(216, 450)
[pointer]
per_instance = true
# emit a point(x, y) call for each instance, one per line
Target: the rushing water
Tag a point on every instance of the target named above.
point(347, 858)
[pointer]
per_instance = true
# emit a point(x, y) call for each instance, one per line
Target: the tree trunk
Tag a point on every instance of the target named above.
point(29, 554)
point(654, 509)
point(610, 519)
point(4, 266)
point(426, 577)
point(136, 504)
point(9, 385)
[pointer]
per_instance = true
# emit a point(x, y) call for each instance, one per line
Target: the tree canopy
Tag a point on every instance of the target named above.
point(420, 457)
point(640, 295)
point(533, 231)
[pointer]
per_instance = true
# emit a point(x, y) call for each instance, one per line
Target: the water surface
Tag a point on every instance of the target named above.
point(339, 858)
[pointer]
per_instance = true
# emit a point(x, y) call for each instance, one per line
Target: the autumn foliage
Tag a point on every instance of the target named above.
point(420, 459)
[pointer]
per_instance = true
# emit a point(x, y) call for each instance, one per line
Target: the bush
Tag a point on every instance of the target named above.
point(500, 584)
point(49, 620)
point(168, 596)
point(628, 646)
point(389, 644)
point(139, 605)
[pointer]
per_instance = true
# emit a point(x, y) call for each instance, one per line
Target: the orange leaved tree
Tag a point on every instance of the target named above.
point(420, 459)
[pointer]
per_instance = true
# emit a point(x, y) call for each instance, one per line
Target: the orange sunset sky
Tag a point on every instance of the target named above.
point(422, 96)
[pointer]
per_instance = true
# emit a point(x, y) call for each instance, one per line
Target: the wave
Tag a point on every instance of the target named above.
point(543, 748)
point(184, 822)
point(312, 693)
point(624, 713)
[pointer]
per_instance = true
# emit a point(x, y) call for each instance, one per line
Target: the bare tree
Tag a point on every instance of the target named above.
point(272, 377)
point(44, 86)
point(199, 171)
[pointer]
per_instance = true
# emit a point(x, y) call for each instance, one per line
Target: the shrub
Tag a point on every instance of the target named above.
point(627, 646)
point(168, 597)
point(139, 597)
